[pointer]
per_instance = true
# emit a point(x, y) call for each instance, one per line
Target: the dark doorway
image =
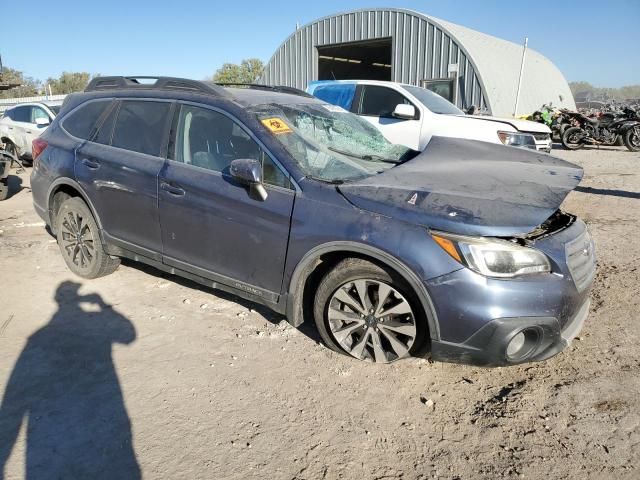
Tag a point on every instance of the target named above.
point(368, 60)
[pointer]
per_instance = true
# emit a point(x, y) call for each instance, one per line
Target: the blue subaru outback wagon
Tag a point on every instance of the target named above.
point(280, 198)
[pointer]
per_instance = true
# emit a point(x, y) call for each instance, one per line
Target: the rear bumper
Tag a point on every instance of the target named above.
point(488, 346)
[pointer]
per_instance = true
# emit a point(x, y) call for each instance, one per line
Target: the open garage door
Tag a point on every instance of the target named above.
point(367, 60)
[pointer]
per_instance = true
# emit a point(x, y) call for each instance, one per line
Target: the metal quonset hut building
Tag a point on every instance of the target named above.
point(463, 65)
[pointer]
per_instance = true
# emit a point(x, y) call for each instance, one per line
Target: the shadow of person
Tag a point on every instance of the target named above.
point(64, 384)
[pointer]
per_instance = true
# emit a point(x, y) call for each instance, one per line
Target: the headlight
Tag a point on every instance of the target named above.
point(515, 139)
point(493, 257)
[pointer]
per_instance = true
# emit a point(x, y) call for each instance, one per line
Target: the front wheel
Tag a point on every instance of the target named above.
point(572, 139)
point(4, 189)
point(369, 313)
point(79, 241)
point(632, 139)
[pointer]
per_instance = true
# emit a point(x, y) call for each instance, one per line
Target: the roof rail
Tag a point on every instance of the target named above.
point(161, 83)
point(273, 88)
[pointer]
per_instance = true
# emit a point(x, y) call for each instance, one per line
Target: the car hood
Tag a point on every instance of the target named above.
point(522, 125)
point(469, 187)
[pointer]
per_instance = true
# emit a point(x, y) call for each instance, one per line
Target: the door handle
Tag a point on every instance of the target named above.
point(172, 189)
point(92, 164)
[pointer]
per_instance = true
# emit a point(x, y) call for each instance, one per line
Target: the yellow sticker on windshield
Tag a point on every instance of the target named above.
point(276, 125)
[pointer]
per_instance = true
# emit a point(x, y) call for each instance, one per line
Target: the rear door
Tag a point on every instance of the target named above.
point(376, 105)
point(118, 167)
point(211, 226)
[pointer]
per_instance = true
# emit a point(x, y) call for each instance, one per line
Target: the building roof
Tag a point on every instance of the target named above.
point(498, 61)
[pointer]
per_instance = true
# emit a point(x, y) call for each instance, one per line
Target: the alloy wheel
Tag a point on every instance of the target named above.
point(372, 321)
point(78, 240)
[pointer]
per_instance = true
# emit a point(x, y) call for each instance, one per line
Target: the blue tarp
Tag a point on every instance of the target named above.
point(340, 94)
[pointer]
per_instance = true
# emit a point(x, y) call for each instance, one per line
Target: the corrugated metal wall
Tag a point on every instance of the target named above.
point(421, 50)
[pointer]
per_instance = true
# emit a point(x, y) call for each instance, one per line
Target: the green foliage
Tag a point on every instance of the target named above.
point(622, 93)
point(248, 71)
point(69, 82)
point(28, 86)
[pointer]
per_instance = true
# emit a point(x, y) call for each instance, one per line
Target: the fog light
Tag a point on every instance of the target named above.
point(523, 344)
point(516, 344)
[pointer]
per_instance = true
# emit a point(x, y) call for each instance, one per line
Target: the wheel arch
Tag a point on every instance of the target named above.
point(312, 264)
point(74, 189)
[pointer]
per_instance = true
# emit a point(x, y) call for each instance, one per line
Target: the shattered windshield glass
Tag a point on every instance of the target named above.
point(329, 143)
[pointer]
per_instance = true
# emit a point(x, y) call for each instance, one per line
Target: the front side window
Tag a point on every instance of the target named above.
point(140, 126)
point(329, 143)
point(38, 112)
point(211, 140)
point(381, 101)
point(81, 122)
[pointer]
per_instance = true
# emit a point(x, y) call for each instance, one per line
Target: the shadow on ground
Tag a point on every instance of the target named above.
point(608, 192)
point(65, 388)
point(307, 328)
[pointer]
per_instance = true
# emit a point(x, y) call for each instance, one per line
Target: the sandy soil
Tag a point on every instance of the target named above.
point(139, 372)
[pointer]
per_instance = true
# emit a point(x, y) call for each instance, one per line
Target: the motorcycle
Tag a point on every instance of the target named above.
point(603, 130)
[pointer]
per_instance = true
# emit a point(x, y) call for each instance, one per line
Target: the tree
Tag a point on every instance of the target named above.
point(69, 82)
point(579, 87)
point(28, 86)
point(248, 71)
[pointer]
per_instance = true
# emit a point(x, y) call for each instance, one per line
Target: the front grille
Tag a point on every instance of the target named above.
point(581, 259)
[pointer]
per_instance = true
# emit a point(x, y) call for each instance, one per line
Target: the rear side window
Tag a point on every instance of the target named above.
point(105, 131)
point(21, 114)
point(381, 101)
point(82, 121)
point(140, 126)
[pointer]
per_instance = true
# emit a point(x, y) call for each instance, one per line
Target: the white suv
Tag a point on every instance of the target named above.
point(21, 124)
point(410, 115)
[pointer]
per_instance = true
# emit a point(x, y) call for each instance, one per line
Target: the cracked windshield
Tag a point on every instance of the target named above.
point(331, 144)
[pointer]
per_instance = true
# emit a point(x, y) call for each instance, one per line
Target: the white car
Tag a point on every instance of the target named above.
point(410, 115)
point(21, 124)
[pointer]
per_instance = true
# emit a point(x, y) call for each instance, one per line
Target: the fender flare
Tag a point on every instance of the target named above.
point(306, 265)
point(65, 181)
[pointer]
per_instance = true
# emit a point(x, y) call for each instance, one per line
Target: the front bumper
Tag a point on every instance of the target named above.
point(478, 317)
point(488, 346)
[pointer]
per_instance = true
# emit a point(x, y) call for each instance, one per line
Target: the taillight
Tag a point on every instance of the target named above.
point(37, 147)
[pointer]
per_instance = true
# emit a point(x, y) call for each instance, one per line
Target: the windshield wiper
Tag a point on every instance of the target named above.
point(364, 157)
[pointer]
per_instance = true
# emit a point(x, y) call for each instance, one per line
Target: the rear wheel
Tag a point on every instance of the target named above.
point(632, 139)
point(572, 138)
point(79, 241)
point(368, 312)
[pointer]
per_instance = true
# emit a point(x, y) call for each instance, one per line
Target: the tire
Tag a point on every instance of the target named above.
point(79, 241)
point(569, 136)
point(357, 327)
point(4, 189)
point(632, 139)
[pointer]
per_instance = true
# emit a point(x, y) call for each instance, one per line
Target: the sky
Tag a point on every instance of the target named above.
point(594, 41)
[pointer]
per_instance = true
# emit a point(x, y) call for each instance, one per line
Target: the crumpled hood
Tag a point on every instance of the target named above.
point(518, 124)
point(469, 187)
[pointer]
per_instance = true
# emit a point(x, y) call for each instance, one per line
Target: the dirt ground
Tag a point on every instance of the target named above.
point(142, 373)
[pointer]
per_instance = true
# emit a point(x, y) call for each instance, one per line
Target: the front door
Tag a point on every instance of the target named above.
point(118, 168)
point(377, 104)
point(211, 225)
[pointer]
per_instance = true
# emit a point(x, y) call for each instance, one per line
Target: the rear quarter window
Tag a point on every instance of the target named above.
point(81, 122)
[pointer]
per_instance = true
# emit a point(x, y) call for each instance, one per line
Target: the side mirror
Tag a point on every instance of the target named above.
point(404, 111)
point(42, 122)
point(248, 171)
